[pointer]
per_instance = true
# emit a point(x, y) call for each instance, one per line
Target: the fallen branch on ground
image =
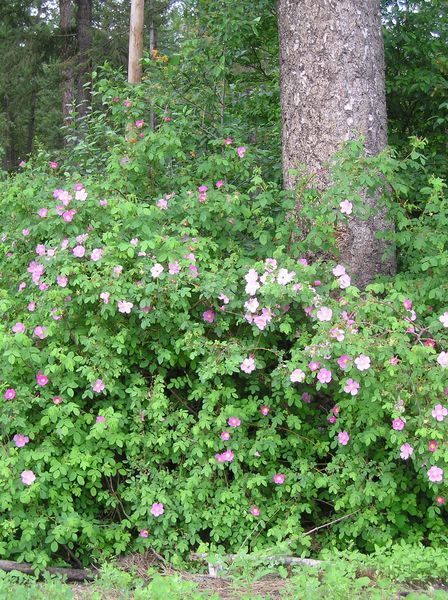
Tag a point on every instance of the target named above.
point(70, 574)
point(215, 567)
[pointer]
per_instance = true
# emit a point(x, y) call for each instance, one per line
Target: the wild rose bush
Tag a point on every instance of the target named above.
point(176, 374)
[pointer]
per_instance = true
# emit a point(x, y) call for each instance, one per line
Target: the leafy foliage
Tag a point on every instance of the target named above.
point(161, 325)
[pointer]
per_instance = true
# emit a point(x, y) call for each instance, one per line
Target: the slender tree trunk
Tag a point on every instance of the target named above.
point(152, 47)
point(332, 90)
point(68, 80)
point(136, 41)
point(84, 27)
point(10, 158)
point(32, 119)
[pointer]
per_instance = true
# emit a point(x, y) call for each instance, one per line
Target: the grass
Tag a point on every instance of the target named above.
point(416, 573)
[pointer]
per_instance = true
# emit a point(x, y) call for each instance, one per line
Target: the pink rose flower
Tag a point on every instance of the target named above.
point(284, 277)
point(444, 319)
point(62, 280)
point(233, 422)
point(442, 359)
point(124, 307)
point(98, 386)
point(432, 446)
point(351, 387)
point(105, 297)
point(156, 270)
point(338, 271)
point(255, 511)
point(174, 268)
point(252, 305)
point(19, 328)
point(324, 314)
point(398, 424)
point(208, 316)
point(343, 361)
point(343, 438)
point(362, 362)
point(28, 477)
point(279, 479)
point(20, 440)
point(97, 254)
point(223, 298)
point(193, 271)
point(344, 282)
point(406, 451)
point(157, 509)
point(346, 207)
point(439, 412)
point(225, 436)
point(435, 474)
point(79, 251)
point(40, 331)
point(144, 533)
point(407, 304)
point(241, 151)
point(10, 394)
point(324, 376)
point(264, 410)
point(41, 378)
point(248, 365)
point(227, 456)
point(297, 376)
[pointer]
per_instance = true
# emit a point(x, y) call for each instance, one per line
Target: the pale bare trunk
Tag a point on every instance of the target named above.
point(136, 41)
point(152, 47)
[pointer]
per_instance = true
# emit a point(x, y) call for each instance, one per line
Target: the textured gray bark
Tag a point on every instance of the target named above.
point(332, 90)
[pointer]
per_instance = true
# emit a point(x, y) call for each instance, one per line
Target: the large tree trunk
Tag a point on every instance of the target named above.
point(84, 26)
point(68, 80)
point(332, 90)
point(136, 41)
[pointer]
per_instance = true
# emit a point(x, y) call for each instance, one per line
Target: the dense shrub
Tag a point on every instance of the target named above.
point(176, 374)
